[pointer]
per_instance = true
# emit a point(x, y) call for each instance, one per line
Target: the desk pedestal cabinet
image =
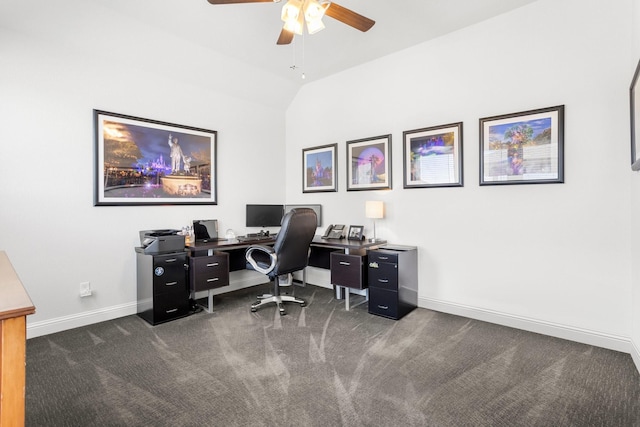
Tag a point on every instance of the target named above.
point(208, 272)
point(393, 281)
point(163, 291)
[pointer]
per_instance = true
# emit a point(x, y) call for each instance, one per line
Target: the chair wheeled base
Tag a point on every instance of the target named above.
point(279, 300)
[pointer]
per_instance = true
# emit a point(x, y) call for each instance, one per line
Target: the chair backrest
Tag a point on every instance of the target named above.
point(294, 239)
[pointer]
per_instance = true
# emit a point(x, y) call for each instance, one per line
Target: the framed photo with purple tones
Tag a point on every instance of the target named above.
point(523, 148)
point(369, 165)
point(433, 156)
point(319, 169)
point(147, 162)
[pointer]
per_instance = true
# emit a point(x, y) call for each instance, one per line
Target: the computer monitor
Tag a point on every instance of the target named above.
point(317, 209)
point(264, 215)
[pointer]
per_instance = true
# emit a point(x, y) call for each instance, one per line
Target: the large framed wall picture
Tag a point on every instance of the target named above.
point(369, 165)
point(319, 169)
point(148, 162)
point(433, 156)
point(523, 148)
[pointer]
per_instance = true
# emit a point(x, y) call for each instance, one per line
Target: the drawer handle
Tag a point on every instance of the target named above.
point(383, 307)
point(173, 310)
point(171, 260)
point(171, 283)
point(383, 280)
point(344, 263)
point(215, 279)
point(213, 264)
point(383, 257)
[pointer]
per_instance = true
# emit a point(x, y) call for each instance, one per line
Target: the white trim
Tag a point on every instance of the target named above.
point(51, 326)
point(635, 354)
point(585, 336)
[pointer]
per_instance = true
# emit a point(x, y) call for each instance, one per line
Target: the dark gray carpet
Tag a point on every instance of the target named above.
point(322, 366)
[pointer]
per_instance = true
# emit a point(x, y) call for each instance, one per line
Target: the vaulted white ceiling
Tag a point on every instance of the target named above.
point(248, 32)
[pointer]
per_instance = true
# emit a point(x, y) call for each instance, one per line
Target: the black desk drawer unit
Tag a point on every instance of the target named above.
point(163, 292)
point(393, 281)
point(209, 272)
point(349, 270)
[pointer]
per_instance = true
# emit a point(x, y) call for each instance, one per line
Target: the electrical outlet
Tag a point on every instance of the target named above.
point(85, 289)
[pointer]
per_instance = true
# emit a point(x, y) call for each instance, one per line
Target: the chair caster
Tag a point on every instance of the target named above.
point(303, 304)
point(282, 312)
point(253, 309)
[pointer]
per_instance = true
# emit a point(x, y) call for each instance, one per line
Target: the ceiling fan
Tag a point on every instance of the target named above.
point(295, 13)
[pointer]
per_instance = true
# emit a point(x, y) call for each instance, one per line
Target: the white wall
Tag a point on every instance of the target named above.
point(50, 83)
point(551, 258)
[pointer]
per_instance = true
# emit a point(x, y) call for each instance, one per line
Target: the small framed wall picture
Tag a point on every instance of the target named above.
point(319, 169)
point(369, 165)
point(523, 148)
point(634, 98)
point(433, 156)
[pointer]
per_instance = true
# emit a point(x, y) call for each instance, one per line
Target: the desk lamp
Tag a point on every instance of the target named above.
point(374, 209)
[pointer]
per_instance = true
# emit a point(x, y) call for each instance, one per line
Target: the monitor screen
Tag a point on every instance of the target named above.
point(264, 215)
point(316, 208)
point(205, 229)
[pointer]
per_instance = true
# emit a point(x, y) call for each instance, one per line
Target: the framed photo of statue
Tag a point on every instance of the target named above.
point(148, 162)
point(319, 169)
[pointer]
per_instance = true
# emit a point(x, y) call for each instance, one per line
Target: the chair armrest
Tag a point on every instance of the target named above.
point(262, 267)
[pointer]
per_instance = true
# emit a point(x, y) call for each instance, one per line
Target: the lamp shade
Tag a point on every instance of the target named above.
point(374, 209)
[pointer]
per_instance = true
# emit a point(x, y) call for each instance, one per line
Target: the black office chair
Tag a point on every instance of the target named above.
point(289, 253)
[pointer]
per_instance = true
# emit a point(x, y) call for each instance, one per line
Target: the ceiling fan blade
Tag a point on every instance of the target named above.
point(240, 1)
point(349, 17)
point(286, 37)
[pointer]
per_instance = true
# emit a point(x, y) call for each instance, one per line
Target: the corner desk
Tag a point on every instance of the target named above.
point(211, 262)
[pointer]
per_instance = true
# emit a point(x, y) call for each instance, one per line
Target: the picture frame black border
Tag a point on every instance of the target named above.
point(360, 229)
point(405, 153)
point(388, 162)
point(635, 162)
point(522, 115)
point(334, 169)
point(213, 200)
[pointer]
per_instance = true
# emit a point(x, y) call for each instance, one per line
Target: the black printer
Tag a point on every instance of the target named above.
point(161, 241)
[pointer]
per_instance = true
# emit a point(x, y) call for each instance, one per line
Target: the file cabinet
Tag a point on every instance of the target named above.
point(162, 287)
point(393, 281)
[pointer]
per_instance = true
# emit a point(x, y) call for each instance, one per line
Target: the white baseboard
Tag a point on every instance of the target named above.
point(63, 323)
point(635, 354)
point(584, 336)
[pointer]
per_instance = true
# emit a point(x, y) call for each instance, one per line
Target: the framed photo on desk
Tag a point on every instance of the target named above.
point(355, 232)
point(148, 162)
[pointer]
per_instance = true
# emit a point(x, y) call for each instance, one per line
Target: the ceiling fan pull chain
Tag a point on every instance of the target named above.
point(303, 67)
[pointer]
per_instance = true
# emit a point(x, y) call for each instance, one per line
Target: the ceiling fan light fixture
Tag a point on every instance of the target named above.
point(292, 16)
point(313, 13)
point(313, 10)
point(315, 26)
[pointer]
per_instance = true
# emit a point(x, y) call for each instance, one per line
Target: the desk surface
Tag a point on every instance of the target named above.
point(229, 244)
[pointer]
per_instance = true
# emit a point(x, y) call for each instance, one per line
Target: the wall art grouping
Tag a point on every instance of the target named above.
point(148, 162)
point(516, 148)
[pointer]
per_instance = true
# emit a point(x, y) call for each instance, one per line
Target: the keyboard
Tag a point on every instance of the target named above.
point(254, 238)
